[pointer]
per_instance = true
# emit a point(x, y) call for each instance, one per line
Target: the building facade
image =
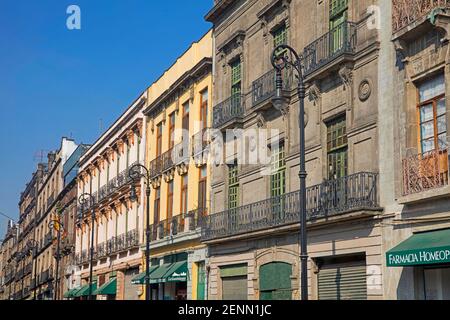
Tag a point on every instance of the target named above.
point(8, 266)
point(105, 185)
point(177, 150)
point(27, 220)
point(416, 236)
point(252, 230)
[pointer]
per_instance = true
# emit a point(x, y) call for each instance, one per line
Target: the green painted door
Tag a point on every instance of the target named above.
point(275, 281)
point(201, 279)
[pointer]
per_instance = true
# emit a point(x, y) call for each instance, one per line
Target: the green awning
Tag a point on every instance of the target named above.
point(421, 249)
point(84, 291)
point(140, 278)
point(177, 272)
point(157, 276)
point(70, 293)
point(108, 288)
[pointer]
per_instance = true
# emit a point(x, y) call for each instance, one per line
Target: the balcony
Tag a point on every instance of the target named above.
point(156, 167)
point(28, 268)
point(357, 192)
point(200, 141)
point(167, 162)
point(330, 50)
point(181, 153)
point(407, 12)
point(425, 172)
point(264, 88)
point(229, 112)
point(107, 190)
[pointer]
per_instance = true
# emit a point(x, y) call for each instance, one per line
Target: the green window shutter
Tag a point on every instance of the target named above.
point(337, 148)
point(233, 186)
point(275, 281)
point(236, 77)
point(278, 183)
point(201, 281)
point(280, 36)
point(235, 270)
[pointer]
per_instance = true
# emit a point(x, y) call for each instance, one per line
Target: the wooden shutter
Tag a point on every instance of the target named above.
point(201, 281)
point(343, 282)
point(130, 289)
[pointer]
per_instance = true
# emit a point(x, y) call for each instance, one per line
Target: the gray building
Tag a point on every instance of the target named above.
point(252, 233)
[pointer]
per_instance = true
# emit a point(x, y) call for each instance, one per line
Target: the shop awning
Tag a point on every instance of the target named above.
point(177, 272)
point(157, 276)
point(421, 249)
point(140, 278)
point(70, 293)
point(108, 288)
point(84, 290)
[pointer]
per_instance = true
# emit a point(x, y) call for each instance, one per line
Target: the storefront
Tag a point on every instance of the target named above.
point(168, 280)
point(429, 254)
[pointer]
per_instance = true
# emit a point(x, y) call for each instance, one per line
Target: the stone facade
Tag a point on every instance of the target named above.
point(342, 85)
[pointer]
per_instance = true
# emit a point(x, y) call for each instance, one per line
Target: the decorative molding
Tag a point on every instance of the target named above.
point(365, 90)
point(346, 74)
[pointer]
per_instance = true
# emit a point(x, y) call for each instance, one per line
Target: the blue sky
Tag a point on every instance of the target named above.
point(55, 82)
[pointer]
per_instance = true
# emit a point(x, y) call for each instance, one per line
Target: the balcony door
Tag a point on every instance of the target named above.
point(432, 111)
point(334, 191)
point(202, 189)
point(159, 139)
point(338, 19)
point(236, 86)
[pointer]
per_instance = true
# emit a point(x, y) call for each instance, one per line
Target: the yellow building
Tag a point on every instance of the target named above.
point(178, 117)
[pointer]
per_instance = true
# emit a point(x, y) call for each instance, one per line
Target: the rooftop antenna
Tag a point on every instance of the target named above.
point(40, 155)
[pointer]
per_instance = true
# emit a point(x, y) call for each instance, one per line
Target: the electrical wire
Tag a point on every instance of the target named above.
point(8, 217)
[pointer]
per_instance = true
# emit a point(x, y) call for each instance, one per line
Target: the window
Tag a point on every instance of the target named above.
point(337, 148)
point(236, 83)
point(202, 190)
point(233, 186)
point(204, 109)
point(184, 194)
point(171, 129)
point(157, 206)
point(185, 121)
point(278, 177)
point(338, 18)
point(159, 139)
point(432, 112)
point(170, 200)
point(280, 36)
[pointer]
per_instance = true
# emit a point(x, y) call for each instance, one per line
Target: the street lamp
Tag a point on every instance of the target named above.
point(281, 59)
point(137, 172)
point(83, 200)
point(56, 225)
point(32, 246)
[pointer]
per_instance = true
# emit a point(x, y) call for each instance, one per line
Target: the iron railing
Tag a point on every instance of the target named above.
point(181, 153)
point(167, 160)
point(405, 12)
point(156, 167)
point(425, 172)
point(200, 141)
point(108, 189)
point(231, 109)
point(265, 88)
point(351, 193)
point(338, 41)
point(196, 218)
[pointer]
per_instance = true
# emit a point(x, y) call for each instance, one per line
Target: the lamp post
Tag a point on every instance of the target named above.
point(137, 172)
point(281, 59)
point(32, 247)
point(83, 200)
point(56, 225)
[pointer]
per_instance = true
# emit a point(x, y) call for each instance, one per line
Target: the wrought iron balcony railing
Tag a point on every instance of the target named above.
point(200, 141)
point(181, 153)
point(167, 160)
point(231, 109)
point(264, 88)
point(338, 41)
point(425, 172)
point(331, 198)
point(405, 12)
point(196, 218)
point(156, 167)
